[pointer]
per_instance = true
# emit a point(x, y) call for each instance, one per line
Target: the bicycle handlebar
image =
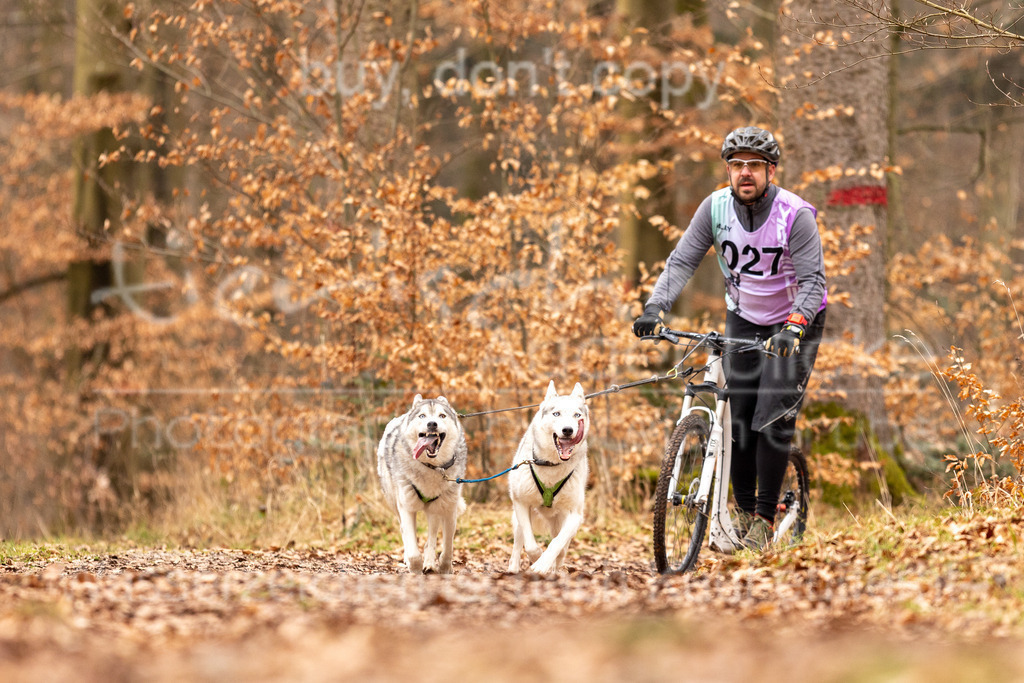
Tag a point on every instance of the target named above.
point(710, 338)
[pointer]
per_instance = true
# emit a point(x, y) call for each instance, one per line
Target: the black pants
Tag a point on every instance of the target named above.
point(765, 395)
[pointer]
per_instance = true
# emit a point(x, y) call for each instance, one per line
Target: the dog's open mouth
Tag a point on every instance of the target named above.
point(565, 446)
point(429, 443)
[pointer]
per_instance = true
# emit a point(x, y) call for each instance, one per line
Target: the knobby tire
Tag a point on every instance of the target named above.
point(678, 529)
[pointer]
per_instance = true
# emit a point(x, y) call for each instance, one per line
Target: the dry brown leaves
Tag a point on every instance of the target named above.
point(842, 600)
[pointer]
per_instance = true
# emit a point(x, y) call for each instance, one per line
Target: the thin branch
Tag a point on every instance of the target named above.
point(823, 76)
point(913, 27)
point(38, 281)
point(1017, 101)
point(964, 14)
point(920, 25)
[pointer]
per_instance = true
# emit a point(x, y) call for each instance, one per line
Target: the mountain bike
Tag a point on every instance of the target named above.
point(692, 493)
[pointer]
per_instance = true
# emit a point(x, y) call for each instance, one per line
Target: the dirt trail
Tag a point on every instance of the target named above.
point(313, 615)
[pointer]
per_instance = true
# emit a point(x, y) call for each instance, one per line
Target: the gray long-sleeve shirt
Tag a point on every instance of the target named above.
point(804, 249)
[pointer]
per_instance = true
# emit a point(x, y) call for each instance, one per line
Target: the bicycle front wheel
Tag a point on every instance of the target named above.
point(791, 519)
point(679, 523)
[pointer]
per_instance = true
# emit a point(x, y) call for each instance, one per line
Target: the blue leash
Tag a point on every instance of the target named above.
point(460, 480)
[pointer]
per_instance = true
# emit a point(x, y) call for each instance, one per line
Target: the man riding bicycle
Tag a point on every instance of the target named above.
point(767, 243)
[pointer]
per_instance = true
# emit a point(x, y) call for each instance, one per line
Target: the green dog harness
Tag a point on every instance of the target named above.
point(548, 493)
point(422, 497)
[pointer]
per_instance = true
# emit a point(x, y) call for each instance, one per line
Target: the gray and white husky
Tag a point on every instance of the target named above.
point(551, 486)
point(415, 455)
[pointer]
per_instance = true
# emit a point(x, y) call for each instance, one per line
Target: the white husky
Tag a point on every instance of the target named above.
point(415, 454)
point(551, 486)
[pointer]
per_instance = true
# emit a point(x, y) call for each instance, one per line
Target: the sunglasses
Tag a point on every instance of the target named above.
point(740, 164)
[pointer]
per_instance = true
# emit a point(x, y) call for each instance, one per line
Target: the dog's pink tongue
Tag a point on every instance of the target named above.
point(569, 444)
point(425, 443)
point(579, 434)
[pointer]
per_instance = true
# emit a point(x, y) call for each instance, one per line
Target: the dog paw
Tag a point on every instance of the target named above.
point(415, 564)
point(534, 554)
point(543, 567)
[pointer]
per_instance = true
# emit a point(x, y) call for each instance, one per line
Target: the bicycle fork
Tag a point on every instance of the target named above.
point(698, 499)
point(722, 535)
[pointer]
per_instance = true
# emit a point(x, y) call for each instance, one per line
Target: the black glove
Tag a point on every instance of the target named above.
point(786, 342)
point(647, 323)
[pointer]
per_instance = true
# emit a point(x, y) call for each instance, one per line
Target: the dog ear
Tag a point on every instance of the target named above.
point(419, 397)
point(443, 400)
point(577, 391)
point(552, 392)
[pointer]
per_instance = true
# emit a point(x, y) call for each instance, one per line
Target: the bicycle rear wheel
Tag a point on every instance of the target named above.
point(791, 519)
point(679, 523)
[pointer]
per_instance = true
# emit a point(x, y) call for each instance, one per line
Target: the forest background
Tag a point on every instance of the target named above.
point(238, 237)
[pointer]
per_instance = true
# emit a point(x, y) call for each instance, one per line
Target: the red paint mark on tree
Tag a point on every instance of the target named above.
point(859, 195)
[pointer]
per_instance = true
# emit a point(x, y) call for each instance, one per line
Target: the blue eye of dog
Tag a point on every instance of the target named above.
point(556, 414)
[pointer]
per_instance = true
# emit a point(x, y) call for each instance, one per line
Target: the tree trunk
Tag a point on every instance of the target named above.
point(96, 212)
point(845, 127)
point(640, 241)
point(96, 204)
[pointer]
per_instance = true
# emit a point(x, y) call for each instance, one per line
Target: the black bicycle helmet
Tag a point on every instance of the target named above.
point(752, 139)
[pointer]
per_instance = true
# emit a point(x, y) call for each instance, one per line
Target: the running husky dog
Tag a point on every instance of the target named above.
point(416, 454)
point(551, 484)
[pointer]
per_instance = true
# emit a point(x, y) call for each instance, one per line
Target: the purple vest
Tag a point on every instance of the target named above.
point(760, 282)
